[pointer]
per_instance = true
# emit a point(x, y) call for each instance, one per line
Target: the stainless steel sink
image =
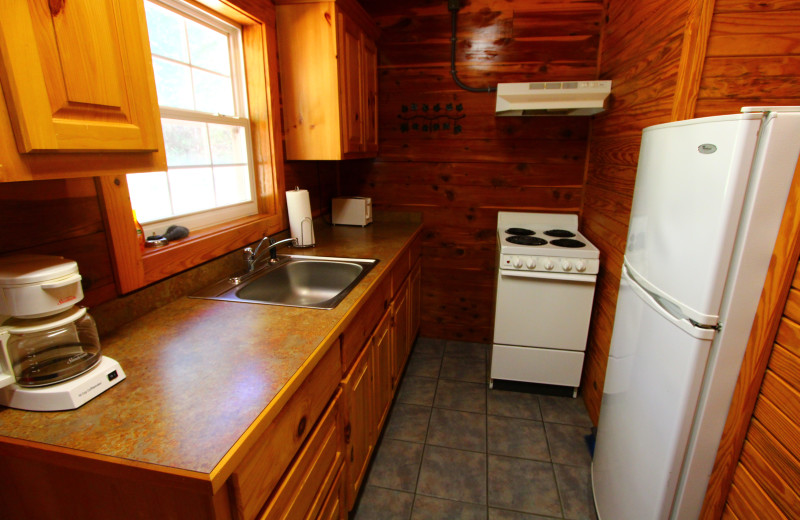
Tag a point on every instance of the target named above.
point(296, 281)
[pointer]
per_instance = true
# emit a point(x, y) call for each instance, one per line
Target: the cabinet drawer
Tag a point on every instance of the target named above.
point(305, 488)
point(333, 509)
point(358, 332)
point(256, 477)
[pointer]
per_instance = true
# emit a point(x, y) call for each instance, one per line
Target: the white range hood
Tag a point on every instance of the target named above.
point(552, 98)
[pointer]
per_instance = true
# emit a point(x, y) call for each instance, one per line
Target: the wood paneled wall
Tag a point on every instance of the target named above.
point(59, 217)
point(444, 153)
point(641, 54)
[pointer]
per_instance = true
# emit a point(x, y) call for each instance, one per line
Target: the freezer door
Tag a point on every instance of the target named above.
point(690, 185)
point(653, 380)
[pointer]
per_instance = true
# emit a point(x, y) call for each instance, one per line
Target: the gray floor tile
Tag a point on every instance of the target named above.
point(408, 422)
point(464, 349)
point(471, 369)
point(459, 395)
point(423, 365)
point(416, 390)
point(502, 514)
point(460, 430)
point(568, 444)
point(382, 503)
point(430, 346)
point(429, 508)
point(514, 404)
point(564, 410)
point(396, 465)
point(575, 487)
point(453, 474)
point(517, 438)
point(523, 485)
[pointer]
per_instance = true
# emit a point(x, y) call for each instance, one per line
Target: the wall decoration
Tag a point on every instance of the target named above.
point(426, 118)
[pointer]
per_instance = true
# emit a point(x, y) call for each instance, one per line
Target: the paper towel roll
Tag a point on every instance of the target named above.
point(301, 226)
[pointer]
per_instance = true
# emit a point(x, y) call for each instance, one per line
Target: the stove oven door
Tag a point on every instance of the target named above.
point(546, 310)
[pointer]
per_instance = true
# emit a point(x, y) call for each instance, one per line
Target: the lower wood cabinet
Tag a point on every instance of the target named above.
point(309, 482)
point(254, 480)
point(358, 429)
point(382, 388)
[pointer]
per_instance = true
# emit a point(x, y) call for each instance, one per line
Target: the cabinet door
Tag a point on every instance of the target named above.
point(382, 383)
point(350, 73)
point(359, 423)
point(77, 76)
point(402, 324)
point(370, 80)
point(415, 296)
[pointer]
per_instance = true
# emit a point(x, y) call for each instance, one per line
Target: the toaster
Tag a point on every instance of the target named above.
point(351, 211)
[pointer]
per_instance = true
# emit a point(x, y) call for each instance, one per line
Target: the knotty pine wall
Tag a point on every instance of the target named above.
point(640, 53)
point(444, 153)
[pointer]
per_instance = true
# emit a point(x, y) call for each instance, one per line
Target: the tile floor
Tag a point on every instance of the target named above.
point(454, 449)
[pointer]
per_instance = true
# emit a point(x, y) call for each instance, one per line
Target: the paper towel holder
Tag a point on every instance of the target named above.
point(302, 241)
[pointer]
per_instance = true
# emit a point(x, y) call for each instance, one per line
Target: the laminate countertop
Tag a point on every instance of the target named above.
point(200, 372)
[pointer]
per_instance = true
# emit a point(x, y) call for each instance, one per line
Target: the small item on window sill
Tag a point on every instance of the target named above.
point(155, 241)
point(176, 232)
point(139, 232)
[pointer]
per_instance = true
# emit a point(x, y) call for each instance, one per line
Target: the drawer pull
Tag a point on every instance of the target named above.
point(301, 426)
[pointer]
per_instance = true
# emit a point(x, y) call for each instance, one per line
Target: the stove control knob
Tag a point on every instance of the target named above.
point(566, 265)
point(548, 264)
point(516, 261)
point(530, 262)
point(580, 266)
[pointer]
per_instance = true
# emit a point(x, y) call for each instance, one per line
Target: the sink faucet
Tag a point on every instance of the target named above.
point(251, 256)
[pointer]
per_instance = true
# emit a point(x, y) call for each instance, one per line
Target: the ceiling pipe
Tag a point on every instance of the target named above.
point(453, 6)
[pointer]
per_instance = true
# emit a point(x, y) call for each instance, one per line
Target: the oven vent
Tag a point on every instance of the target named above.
point(552, 98)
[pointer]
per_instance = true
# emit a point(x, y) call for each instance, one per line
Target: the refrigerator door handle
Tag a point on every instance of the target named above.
point(669, 311)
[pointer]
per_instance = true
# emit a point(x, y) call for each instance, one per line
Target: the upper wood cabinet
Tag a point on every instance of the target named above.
point(78, 90)
point(329, 81)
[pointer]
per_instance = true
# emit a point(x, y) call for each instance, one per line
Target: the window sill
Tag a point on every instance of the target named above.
point(206, 244)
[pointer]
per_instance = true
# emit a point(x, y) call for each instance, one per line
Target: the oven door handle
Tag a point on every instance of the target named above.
point(566, 277)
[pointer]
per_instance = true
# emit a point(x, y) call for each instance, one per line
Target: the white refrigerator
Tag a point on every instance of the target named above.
point(707, 205)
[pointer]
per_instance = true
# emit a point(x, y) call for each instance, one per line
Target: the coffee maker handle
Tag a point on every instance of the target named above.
point(6, 371)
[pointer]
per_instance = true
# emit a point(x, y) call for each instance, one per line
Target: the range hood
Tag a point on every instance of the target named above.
point(552, 98)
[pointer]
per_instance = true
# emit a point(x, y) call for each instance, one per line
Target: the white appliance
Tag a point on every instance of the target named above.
point(545, 287)
point(552, 98)
point(707, 206)
point(351, 211)
point(50, 356)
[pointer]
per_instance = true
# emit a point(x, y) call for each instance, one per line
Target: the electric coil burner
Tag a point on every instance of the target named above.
point(545, 289)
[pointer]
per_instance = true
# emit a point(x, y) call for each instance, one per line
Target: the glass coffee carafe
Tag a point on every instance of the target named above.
point(49, 350)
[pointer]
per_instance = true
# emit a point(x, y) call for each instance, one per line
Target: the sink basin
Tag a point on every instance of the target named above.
point(296, 281)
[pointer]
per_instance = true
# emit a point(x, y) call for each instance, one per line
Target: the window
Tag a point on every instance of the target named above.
point(197, 61)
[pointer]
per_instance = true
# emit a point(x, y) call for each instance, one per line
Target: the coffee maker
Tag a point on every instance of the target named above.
point(50, 356)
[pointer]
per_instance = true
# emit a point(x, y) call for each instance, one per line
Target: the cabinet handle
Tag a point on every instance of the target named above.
point(356, 116)
point(301, 426)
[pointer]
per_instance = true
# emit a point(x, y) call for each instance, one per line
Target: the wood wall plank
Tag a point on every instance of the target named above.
point(459, 180)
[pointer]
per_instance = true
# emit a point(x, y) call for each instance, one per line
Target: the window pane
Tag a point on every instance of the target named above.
point(167, 34)
point(213, 93)
point(173, 84)
point(232, 184)
point(228, 144)
point(192, 189)
point(149, 195)
point(186, 143)
point(208, 48)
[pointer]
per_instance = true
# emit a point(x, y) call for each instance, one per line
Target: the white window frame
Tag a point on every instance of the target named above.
point(209, 217)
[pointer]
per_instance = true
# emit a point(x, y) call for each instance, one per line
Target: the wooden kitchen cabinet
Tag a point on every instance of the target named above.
point(65, 94)
point(328, 69)
point(314, 475)
point(358, 429)
point(382, 387)
point(402, 332)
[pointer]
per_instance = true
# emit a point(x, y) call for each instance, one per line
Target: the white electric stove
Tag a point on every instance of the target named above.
point(545, 288)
